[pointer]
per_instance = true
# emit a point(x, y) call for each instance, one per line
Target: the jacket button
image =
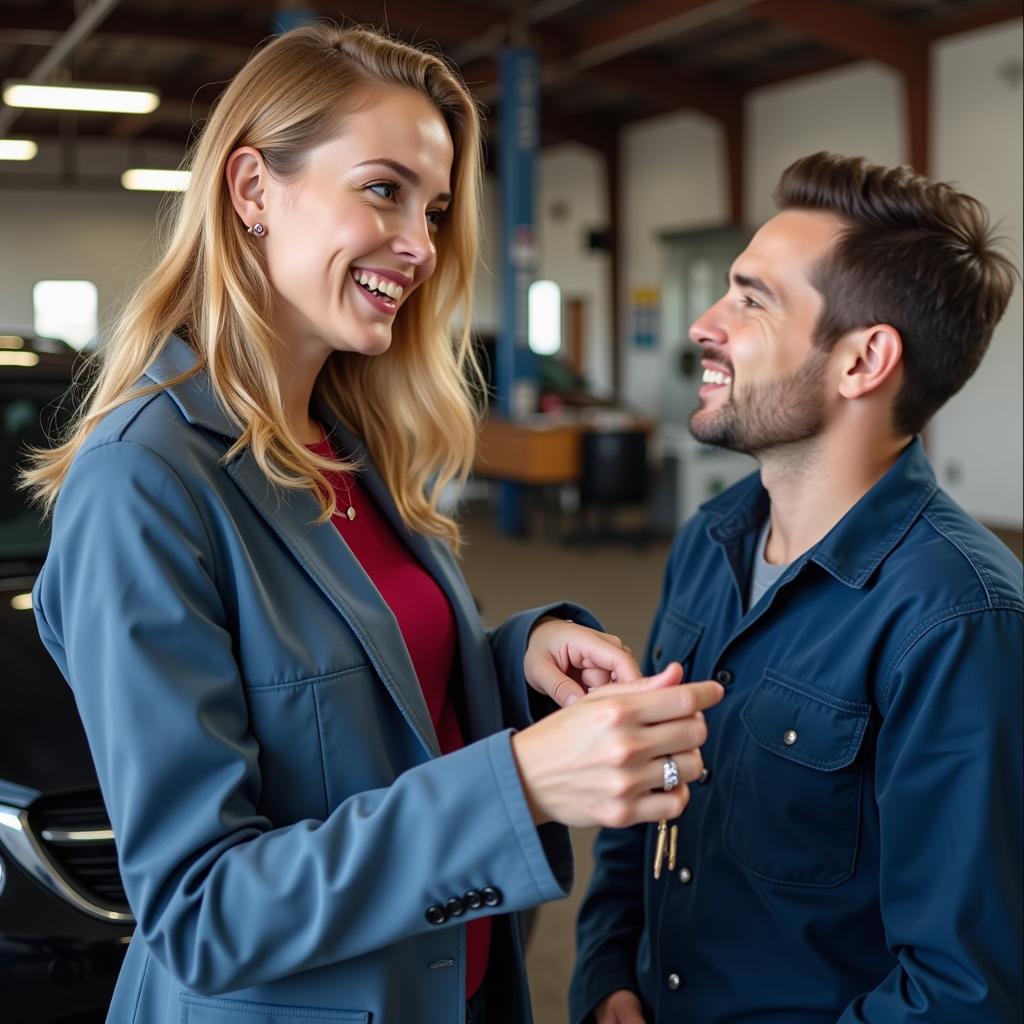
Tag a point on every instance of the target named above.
point(789, 737)
point(673, 981)
point(685, 876)
point(472, 899)
point(436, 914)
point(705, 776)
point(658, 653)
point(724, 676)
point(492, 896)
point(454, 907)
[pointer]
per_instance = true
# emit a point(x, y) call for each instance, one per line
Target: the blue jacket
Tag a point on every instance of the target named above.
point(854, 853)
point(284, 822)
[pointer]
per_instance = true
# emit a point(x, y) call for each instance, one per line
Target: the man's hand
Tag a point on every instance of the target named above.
point(565, 660)
point(620, 1007)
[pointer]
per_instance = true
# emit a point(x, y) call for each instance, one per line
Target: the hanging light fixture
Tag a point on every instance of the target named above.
point(151, 179)
point(17, 149)
point(103, 99)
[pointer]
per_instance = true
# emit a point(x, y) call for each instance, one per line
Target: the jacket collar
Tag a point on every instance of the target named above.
point(863, 538)
point(322, 553)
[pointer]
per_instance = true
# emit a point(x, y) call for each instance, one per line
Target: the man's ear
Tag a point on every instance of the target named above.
point(246, 176)
point(869, 358)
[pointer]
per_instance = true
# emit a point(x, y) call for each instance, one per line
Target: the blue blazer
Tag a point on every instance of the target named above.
point(283, 818)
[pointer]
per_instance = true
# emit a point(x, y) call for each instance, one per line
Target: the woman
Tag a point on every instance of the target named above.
point(304, 738)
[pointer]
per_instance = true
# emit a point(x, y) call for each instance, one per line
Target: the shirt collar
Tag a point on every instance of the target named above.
point(863, 538)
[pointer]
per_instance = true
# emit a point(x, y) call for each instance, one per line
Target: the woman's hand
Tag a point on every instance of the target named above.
point(600, 761)
point(620, 1007)
point(565, 660)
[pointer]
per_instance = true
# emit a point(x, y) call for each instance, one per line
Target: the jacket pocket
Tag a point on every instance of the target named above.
point(675, 640)
point(207, 1010)
point(795, 810)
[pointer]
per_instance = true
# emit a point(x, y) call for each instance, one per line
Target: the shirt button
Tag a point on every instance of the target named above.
point(673, 981)
point(789, 737)
point(658, 653)
point(724, 676)
point(436, 914)
point(705, 775)
point(685, 876)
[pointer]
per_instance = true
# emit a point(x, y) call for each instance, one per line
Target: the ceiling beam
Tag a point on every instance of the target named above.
point(848, 29)
point(983, 17)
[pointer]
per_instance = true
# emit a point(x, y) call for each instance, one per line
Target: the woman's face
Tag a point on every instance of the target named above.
point(349, 240)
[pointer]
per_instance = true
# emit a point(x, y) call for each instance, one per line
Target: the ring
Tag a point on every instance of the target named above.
point(670, 773)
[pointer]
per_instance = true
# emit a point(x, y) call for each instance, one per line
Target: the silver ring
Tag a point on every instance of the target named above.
point(670, 773)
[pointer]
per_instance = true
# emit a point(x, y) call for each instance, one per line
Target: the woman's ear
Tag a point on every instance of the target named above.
point(870, 358)
point(246, 176)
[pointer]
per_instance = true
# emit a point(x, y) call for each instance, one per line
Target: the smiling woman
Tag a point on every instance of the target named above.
point(329, 794)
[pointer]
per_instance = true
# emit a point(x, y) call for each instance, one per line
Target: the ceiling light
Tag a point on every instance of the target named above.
point(17, 149)
point(148, 179)
point(104, 99)
point(19, 359)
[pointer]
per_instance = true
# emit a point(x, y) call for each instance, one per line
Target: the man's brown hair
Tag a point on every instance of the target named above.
point(918, 255)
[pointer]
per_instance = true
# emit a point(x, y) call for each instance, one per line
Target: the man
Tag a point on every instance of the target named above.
point(853, 850)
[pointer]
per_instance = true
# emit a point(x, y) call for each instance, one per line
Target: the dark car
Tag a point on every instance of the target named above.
point(64, 921)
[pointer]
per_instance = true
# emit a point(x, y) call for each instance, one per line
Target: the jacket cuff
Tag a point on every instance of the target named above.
point(547, 849)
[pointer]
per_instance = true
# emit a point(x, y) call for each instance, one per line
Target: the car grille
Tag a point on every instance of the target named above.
point(75, 832)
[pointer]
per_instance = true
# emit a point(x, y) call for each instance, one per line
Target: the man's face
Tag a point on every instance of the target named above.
point(764, 381)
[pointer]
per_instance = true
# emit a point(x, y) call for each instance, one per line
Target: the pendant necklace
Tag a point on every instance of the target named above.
point(350, 512)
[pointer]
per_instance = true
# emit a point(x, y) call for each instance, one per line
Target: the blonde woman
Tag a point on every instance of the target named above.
point(306, 741)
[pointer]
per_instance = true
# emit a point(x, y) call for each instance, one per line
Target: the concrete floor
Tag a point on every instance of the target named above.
point(620, 585)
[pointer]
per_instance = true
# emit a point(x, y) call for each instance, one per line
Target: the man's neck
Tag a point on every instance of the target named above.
point(812, 489)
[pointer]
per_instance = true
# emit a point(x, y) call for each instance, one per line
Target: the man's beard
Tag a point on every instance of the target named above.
point(772, 414)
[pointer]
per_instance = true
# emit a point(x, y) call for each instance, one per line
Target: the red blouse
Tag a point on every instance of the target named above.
point(428, 628)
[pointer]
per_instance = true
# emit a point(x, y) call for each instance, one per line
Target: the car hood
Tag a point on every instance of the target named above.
point(42, 744)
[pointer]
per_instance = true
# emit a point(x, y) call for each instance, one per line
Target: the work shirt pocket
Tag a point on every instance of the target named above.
point(675, 640)
point(794, 815)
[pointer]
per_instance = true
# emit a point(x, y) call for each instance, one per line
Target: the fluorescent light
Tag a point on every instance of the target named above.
point(11, 341)
point(104, 99)
point(19, 359)
point(148, 179)
point(22, 602)
point(17, 149)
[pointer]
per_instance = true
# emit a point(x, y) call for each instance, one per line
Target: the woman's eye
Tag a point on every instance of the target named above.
point(385, 189)
point(435, 217)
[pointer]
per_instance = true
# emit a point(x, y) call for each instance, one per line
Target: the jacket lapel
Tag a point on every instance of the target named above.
point(318, 550)
point(484, 712)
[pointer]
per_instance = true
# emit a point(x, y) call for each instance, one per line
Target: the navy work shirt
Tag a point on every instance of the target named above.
point(854, 852)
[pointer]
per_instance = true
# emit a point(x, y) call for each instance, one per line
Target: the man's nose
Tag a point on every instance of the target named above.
point(709, 328)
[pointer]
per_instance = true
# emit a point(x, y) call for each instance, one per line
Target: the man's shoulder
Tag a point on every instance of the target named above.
point(959, 560)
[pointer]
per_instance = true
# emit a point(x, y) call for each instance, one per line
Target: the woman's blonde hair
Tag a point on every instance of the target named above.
point(414, 406)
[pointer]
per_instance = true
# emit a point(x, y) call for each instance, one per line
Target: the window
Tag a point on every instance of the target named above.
point(66, 310)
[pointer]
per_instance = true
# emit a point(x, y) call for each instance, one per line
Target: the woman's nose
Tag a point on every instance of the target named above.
point(415, 241)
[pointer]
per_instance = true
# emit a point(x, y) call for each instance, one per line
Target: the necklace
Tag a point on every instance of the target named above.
point(350, 511)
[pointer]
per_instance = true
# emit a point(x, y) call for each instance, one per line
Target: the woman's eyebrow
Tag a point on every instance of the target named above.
point(407, 174)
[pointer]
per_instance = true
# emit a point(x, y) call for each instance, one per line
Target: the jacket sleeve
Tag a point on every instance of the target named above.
point(948, 787)
point(129, 606)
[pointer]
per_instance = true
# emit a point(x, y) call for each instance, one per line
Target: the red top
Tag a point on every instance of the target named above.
point(428, 628)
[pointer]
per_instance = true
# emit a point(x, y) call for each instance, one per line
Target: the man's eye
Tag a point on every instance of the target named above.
point(385, 189)
point(750, 303)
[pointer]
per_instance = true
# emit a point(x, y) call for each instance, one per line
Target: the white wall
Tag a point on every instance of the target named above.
point(672, 180)
point(854, 109)
point(978, 140)
point(105, 237)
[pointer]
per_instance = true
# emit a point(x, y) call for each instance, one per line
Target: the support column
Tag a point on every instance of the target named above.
point(515, 369)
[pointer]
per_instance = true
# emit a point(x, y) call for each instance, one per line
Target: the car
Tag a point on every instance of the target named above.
point(64, 920)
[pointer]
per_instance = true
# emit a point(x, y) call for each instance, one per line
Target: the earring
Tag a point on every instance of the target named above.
point(257, 229)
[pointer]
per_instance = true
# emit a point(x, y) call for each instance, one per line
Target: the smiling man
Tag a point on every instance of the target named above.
point(852, 851)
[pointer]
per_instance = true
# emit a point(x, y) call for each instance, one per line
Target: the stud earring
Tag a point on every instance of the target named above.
point(257, 229)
